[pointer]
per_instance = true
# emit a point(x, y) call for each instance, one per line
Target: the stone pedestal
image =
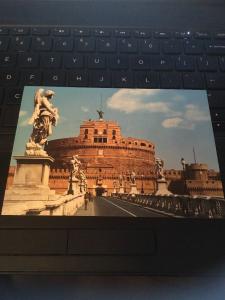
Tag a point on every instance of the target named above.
point(75, 188)
point(82, 187)
point(30, 186)
point(121, 190)
point(133, 190)
point(114, 191)
point(162, 188)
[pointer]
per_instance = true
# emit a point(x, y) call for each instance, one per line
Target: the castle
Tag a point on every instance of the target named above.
point(107, 155)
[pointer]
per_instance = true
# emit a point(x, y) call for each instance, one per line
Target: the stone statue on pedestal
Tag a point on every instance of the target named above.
point(121, 184)
point(161, 180)
point(44, 116)
point(133, 177)
point(160, 168)
point(133, 190)
point(75, 162)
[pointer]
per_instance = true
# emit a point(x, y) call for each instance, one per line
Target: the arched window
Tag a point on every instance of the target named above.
point(114, 132)
point(96, 131)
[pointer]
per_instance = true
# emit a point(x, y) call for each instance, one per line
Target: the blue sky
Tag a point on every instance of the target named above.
point(175, 120)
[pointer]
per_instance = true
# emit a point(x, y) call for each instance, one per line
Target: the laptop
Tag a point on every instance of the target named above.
point(112, 136)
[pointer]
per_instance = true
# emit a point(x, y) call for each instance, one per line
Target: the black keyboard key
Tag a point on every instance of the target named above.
point(215, 80)
point(9, 78)
point(54, 78)
point(31, 77)
point(122, 33)
point(77, 78)
point(4, 30)
point(218, 127)
point(119, 62)
point(4, 42)
point(182, 34)
point(73, 61)
point(222, 63)
point(100, 79)
point(81, 32)
point(193, 80)
point(170, 80)
point(216, 99)
point(219, 35)
point(147, 80)
point(150, 46)
point(10, 117)
point(63, 44)
point(106, 45)
point(1, 95)
point(61, 31)
point(41, 43)
point(191, 47)
point(162, 34)
point(172, 47)
point(14, 96)
point(218, 115)
point(40, 31)
point(202, 35)
point(162, 63)
point(140, 63)
point(122, 79)
point(86, 44)
point(142, 33)
point(215, 48)
point(207, 63)
point(96, 62)
point(128, 45)
point(27, 60)
point(7, 60)
point(20, 43)
point(185, 63)
point(20, 31)
point(50, 60)
point(102, 32)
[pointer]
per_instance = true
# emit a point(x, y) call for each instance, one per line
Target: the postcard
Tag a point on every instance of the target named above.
point(114, 152)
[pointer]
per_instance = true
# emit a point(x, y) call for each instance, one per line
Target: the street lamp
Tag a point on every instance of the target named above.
point(70, 189)
point(142, 184)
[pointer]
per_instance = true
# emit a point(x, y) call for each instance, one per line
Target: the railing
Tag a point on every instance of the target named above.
point(181, 205)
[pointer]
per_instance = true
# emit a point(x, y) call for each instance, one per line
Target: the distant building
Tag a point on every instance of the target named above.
point(106, 155)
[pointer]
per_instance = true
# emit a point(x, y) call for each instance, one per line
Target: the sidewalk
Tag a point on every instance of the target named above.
point(81, 212)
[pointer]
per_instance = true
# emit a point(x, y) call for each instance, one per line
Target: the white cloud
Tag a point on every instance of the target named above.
point(178, 123)
point(195, 114)
point(172, 122)
point(22, 113)
point(84, 109)
point(129, 101)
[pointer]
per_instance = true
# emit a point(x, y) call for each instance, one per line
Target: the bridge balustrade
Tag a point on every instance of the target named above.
point(180, 205)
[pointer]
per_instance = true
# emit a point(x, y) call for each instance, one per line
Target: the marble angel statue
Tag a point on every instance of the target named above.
point(160, 168)
point(44, 116)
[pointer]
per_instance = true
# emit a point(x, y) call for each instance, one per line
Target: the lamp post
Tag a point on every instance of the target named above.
point(142, 184)
point(185, 201)
point(70, 189)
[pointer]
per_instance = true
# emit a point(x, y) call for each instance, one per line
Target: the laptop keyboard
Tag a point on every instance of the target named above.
point(106, 57)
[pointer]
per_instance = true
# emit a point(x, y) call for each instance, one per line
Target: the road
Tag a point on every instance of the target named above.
point(115, 207)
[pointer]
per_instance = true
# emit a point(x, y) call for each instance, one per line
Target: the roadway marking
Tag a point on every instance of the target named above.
point(130, 213)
